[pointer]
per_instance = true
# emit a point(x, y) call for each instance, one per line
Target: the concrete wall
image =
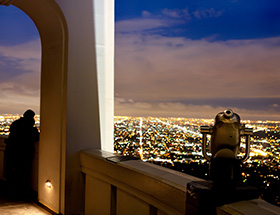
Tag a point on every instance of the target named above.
point(131, 187)
point(89, 88)
point(135, 187)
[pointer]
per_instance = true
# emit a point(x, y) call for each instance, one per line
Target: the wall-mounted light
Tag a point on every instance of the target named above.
point(48, 184)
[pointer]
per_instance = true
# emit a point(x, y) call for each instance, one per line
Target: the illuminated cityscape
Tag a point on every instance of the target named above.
point(7, 119)
point(176, 143)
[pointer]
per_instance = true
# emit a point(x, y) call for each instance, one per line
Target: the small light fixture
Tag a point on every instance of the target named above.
point(48, 184)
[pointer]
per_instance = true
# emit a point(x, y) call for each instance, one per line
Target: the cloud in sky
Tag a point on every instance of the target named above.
point(156, 68)
point(189, 60)
point(176, 13)
point(186, 14)
point(166, 21)
point(207, 13)
point(139, 25)
point(176, 109)
point(182, 68)
point(20, 77)
point(146, 13)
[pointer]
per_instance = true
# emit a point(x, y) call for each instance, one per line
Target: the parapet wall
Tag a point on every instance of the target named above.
point(116, 186)
point(119, 186)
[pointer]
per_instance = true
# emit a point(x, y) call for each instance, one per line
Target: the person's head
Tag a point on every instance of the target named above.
point(29, 114)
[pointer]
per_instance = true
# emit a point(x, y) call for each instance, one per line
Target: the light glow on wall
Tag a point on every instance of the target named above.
point(48, 184)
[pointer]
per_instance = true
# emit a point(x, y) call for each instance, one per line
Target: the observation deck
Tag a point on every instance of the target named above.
point(117, 185)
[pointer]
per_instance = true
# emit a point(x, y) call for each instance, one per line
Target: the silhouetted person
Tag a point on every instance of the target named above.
point(19, 153)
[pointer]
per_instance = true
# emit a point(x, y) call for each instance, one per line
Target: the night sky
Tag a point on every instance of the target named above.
point(173, 58)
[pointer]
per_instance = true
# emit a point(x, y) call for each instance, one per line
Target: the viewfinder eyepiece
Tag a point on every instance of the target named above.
point(228, 113)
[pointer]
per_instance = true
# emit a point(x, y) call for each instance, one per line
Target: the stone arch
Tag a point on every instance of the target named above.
point(52, 27)
point(77, 78)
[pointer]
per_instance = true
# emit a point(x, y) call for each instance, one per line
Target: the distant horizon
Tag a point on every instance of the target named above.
point(276, 121)
point(242, 119)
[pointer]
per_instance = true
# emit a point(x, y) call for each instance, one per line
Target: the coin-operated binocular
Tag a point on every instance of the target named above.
point(224, 146)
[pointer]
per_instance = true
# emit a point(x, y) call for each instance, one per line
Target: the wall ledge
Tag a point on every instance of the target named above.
point(158, 186)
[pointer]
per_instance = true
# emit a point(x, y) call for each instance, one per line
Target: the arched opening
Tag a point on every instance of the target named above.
point(20, 62)
point(53, 34)
point(20, 66)
point(58, 161)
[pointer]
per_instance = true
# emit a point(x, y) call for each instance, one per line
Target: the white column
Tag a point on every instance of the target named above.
point(83, 124)
point(89, 90)
point(104, 38)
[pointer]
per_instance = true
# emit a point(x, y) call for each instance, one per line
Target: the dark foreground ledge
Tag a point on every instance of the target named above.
point(118, 185)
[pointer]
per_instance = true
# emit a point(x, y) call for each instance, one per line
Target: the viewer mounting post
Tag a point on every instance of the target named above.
point(224, 146)
point(204, 196)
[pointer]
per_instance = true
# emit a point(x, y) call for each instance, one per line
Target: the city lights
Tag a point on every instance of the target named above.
point(176, 143)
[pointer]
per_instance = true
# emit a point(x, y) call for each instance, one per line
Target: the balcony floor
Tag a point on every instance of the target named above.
point(14, 205)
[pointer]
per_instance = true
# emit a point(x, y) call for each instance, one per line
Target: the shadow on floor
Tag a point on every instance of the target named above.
point(13, 202)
